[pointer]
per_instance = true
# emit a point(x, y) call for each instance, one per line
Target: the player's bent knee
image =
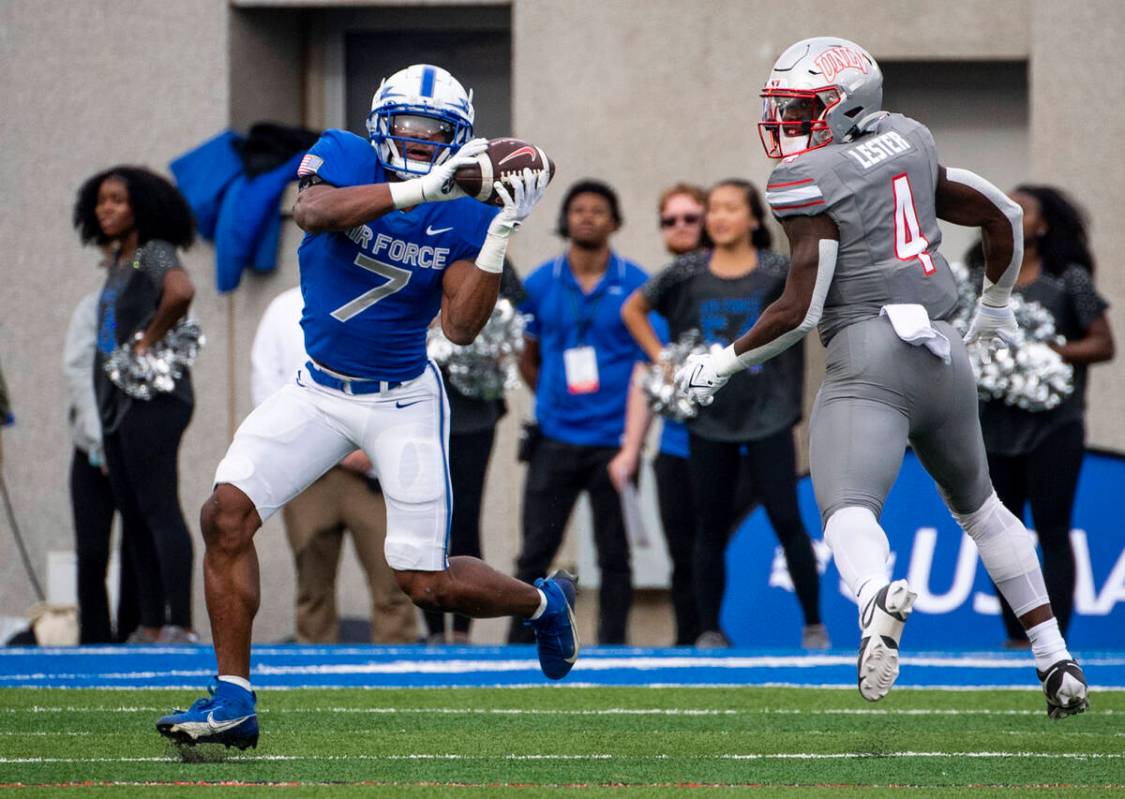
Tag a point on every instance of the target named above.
point(228, 519)
point(1005, 546)
point(850, 519)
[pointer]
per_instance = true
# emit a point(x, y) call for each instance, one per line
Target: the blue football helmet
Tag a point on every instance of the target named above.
point(418, 109)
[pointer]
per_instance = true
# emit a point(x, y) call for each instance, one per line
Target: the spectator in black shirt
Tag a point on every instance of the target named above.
point(720, 291)
point(143, 219)
point(1035, 457)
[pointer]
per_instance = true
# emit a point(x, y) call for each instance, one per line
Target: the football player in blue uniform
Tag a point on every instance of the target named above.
point(390, 241)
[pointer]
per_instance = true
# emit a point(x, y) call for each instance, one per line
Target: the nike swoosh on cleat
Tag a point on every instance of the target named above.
point(574, 631)
point(220, 726)
point(868, 614)
point(431, 232)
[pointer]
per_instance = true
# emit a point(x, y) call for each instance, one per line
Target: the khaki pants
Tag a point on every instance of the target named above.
point(315, 522)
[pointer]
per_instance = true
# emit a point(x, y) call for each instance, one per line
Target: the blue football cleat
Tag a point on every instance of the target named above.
point(226, 716)
point(556, 631)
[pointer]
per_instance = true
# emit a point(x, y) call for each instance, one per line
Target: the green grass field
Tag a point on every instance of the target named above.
point(572, 741)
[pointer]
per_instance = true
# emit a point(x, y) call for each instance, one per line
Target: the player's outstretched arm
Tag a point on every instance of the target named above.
point(321, 207)
point(813, 242)
point(469, 290)
point(965, 198)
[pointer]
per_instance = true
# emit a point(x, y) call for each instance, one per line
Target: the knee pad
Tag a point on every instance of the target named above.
point(1006, 548)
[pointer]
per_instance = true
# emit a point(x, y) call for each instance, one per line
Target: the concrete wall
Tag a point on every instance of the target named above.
point(86, 86)
point(641, 92)
point(1068, 41)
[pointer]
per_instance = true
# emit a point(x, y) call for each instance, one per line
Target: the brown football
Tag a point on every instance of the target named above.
point(503, 159)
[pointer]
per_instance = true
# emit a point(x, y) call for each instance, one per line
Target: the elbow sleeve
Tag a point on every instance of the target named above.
point(825, 270)
point(998, 293)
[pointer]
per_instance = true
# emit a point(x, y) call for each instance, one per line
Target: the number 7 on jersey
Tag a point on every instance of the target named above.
point(396, 279)
point(909, 241)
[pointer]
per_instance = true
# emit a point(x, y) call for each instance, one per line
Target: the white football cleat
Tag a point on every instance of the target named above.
point(881, 624)
point(1065, 687)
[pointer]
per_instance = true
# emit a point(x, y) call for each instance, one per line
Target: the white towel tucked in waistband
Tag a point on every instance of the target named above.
point(912, 325)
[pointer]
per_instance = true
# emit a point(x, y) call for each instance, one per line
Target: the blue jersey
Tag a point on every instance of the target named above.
point(371, 292)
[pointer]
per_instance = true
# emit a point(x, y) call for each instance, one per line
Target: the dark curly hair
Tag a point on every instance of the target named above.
point(760, 237)
point(159, 210)
point(1066, 241)
point(588, 186)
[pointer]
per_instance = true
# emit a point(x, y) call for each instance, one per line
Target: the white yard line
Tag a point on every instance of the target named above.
point(590, 757)
point(606, 711)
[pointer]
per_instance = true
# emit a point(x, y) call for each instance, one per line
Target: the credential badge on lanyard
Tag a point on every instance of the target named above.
point(581, 361)
point(581, 369)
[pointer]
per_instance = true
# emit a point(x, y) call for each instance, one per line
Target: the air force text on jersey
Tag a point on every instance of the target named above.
point(407, 253)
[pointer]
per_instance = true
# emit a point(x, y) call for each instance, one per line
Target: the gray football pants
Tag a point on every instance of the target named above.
point(880, 393)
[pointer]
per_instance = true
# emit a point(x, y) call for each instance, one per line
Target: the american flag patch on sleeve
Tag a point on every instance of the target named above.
point(309, 165)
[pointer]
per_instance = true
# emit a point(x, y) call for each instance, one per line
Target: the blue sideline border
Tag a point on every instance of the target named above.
point(297, 666)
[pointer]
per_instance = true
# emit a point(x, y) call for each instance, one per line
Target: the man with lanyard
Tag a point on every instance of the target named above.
point(579, 359)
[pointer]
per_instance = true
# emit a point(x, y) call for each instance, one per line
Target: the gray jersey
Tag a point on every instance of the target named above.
point(879, 190)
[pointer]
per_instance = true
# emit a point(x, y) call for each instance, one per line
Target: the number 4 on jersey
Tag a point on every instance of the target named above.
point(909, 241)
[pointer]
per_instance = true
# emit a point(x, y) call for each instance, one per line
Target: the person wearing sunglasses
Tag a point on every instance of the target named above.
point(719, 290)
point(681, 217)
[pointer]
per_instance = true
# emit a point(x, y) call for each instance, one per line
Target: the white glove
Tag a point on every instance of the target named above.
point(990, 321)
point(438, 185)
point(698, 379)
point(527, 190)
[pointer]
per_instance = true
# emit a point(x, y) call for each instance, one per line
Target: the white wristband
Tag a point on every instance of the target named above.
point(726, 362)
point(407, 194)
point(994, 294)
point(491, 256)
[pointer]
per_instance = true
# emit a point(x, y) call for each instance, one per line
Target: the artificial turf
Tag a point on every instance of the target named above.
point(547, 742)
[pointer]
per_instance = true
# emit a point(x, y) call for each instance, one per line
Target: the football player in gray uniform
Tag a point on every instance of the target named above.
point(859, 192)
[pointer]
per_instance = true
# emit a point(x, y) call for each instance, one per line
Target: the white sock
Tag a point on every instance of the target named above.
point(1047, 644)
point(860, 550)
point(540, 611)
point(241, 682)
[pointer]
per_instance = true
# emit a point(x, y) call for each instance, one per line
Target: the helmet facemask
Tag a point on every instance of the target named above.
point(399, 131)
point(795, 121)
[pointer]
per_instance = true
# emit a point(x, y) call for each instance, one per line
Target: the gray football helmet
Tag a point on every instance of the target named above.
point(820, 91)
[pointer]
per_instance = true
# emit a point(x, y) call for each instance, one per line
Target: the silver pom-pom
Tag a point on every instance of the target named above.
point(156, 370)
point(1032, 376)
point(658, 381)
point(488, 367)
